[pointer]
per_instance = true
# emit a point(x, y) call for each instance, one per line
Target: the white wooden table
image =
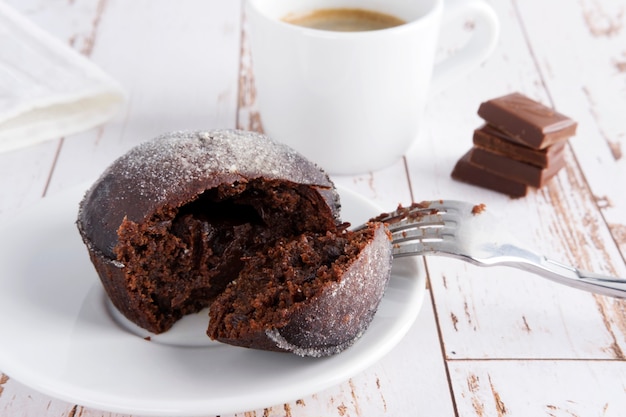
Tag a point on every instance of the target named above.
point(488, 341)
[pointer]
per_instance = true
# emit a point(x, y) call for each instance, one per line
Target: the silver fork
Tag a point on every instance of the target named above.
point(469, 232)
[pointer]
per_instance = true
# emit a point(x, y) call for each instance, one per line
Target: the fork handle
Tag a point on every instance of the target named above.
point(574, 277)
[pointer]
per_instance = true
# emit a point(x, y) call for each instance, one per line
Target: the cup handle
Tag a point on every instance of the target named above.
point(480, 45)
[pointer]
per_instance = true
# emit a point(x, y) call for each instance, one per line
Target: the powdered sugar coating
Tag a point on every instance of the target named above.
point(176, 167)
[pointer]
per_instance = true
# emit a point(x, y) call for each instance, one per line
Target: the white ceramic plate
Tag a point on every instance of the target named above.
point(59, 336)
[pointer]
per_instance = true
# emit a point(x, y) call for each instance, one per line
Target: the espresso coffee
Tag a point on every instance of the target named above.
point(344, 20)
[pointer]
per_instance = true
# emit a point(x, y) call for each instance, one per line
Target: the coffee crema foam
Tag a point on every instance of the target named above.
point(344, 20)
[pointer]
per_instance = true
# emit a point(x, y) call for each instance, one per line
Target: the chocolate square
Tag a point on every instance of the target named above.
point(515, 170)
point(526, 121)
point(494, 140)
point(466, 171)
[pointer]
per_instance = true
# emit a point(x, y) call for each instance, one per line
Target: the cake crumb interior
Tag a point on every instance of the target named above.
point(181, 258)
point(274, 282)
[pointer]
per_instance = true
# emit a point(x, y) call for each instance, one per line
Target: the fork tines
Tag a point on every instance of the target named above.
point(419, 221)
point(420, 227)
point(427, 226)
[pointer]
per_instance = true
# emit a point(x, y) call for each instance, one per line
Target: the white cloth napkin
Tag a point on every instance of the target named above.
point(47, 90)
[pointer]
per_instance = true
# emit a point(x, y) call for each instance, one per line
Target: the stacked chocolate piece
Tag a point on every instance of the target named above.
point(520, 146)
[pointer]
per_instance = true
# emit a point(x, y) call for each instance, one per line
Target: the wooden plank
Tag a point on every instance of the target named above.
point(18, 400)
point(494, 313)
point(539, 388)
point(387, 188)
point(24, 175)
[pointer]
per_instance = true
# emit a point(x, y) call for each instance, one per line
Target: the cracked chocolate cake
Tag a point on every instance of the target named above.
point(238, 222)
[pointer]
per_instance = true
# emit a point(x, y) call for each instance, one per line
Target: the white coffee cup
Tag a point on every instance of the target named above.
point(353, 101)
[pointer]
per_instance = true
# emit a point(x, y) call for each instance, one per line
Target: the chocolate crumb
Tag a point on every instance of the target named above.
point(415, 211)
point(478, 208)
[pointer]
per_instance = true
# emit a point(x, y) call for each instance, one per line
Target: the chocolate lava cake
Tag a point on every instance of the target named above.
point(238, 222)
